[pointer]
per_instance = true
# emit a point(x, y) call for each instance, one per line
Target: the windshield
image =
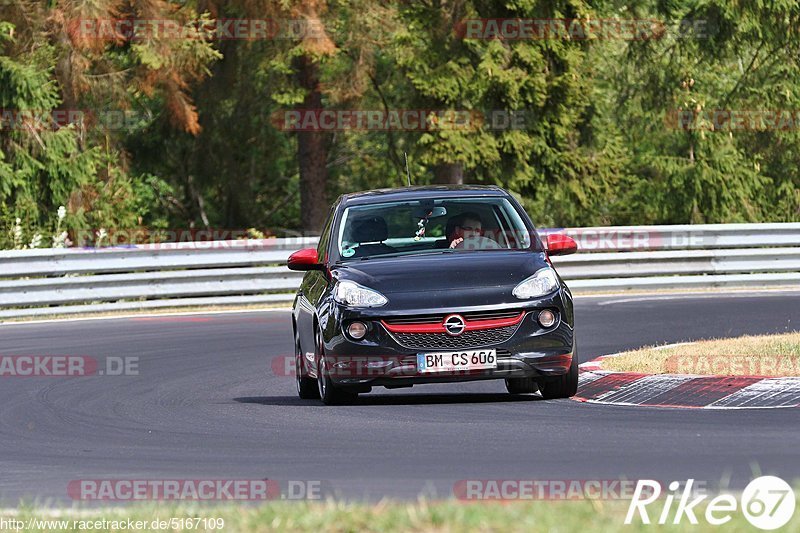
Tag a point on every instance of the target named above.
point(428, 226)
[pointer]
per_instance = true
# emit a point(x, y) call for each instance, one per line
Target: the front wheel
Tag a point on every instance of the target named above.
point(565, 386)
point(329, 393)
point(306, 386)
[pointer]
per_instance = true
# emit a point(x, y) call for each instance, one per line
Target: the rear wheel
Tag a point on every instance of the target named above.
point(565, 386)
point(521, 385)
point(306, 386)
point(329, 393)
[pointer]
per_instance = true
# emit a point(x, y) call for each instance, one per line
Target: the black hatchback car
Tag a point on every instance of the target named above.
point(430, 285)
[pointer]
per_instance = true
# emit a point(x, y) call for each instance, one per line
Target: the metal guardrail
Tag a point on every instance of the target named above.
point(220, 273)
point(683, 237)
point(213, 273)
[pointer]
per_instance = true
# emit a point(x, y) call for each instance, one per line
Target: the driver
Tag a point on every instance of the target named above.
point(463, 226)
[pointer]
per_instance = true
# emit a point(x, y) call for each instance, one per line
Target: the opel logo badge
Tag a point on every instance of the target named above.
point(454, 325)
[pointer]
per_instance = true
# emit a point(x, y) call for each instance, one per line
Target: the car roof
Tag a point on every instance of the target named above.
point(421, 192)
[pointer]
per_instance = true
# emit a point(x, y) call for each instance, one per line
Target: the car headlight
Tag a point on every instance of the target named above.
point(541, 283)
point(353, 294)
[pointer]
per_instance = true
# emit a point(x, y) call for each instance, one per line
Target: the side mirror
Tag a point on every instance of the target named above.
point(304, 260)
point(560, 244)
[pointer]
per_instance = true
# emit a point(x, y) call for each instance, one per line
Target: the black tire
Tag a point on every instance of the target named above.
point(565, 386)
point(329, 393)
point(521, 385)
point(306, 387)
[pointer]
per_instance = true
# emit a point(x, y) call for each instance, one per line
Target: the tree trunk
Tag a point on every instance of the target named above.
point(312, 154)
point(449, 174)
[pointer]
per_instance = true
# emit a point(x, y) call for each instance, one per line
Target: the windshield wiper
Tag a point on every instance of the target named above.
point(400, 254)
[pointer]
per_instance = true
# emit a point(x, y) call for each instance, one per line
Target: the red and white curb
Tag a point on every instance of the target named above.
point(596, 385)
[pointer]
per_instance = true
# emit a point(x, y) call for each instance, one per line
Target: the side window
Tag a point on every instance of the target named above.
point(324, 238)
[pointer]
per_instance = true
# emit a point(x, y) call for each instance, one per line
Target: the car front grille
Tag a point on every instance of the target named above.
point(434, 319)
point(442, 341)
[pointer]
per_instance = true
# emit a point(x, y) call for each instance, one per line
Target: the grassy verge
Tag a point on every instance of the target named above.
point(761, 355)
point(445, 516)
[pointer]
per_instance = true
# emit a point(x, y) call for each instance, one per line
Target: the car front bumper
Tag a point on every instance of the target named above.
point(381, 359)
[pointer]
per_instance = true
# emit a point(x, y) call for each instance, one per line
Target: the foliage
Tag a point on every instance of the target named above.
point(60, 88)
point(604, 138)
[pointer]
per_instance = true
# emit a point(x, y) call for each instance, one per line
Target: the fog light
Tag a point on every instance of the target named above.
point(379, 364)
point(357, 330)
point(547, 318)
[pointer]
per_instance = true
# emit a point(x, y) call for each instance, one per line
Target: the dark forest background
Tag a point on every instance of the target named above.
point(617, 130)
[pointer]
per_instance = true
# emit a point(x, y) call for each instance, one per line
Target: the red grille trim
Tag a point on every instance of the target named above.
point(469, 325)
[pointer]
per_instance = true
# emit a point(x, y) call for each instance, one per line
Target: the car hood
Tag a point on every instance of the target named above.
point(441, 280)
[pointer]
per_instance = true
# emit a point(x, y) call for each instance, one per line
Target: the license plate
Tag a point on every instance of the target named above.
point(456, 361)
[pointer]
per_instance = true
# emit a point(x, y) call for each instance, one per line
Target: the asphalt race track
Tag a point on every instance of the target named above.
point(207, 403)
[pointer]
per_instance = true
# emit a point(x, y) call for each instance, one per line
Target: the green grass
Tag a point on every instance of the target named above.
point(755, 355)
point(440, 516)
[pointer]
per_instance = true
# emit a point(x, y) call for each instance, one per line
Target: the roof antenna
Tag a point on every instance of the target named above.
point(408, 172)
